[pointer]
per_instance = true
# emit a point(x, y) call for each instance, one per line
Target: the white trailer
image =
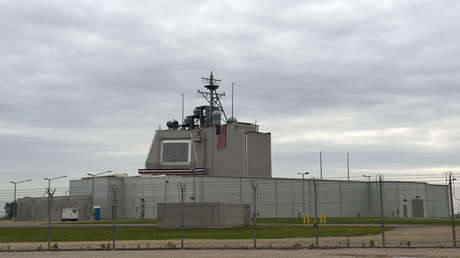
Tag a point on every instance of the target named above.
point(69, 214)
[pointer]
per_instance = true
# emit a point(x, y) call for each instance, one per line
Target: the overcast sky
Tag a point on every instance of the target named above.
point(84, 84)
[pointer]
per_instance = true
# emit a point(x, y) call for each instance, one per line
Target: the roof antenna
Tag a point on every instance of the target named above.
point(182, 96)
point(233, 83)
point(232, 119)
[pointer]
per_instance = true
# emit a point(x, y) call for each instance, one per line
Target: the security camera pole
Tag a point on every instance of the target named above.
point(15, 207)
point(92, 187)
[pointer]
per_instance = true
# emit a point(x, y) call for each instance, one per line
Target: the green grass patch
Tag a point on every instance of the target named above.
point(121, 221)
point(94, 233)
point(413, 221)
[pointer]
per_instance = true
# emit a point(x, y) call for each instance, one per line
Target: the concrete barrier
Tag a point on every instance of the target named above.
point(203, 215)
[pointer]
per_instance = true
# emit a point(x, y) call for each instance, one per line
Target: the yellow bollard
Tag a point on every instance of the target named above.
point(322, 218)
point(306, 218)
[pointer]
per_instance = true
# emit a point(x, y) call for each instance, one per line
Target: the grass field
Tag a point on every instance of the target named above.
point(121, 221)
point(400, 221)
point(94, 233)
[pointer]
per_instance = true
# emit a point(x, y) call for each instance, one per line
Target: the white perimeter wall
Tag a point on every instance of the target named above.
point(275, 197)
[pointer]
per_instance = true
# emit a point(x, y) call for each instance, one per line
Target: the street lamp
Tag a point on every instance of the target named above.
point(303, 189)
point(49, 181)
point(15, 204)
point(368, 177)
point(92, 187)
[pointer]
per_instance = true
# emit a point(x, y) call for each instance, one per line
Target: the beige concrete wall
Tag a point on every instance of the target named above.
point(212, 215)
point(248, 152)
point(36, 209)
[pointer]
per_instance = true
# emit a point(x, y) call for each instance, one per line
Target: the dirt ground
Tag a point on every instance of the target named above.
point(398, 237)
point(405, 239)
point(262, 253)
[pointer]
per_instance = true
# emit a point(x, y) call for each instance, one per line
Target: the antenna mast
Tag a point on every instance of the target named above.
point(232, 98)
point(212, 96)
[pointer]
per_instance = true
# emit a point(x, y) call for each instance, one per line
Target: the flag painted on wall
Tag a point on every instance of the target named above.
point(221, 136)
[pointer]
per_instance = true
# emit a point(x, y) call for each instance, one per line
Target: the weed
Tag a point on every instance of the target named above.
point(371, 243)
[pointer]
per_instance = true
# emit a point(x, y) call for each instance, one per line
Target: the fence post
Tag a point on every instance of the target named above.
point(194, 188)
point(309, 198)
point(50, 204)
point(241, 190)
point(201, 189)
point(254, 216)
point(114, 214)
point(276, 198)
point(181, 187)
point(341, 198)
point(381, 209)
point(316, 225)
point(452, 215)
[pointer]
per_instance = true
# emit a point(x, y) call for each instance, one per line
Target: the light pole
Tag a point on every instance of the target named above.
point(303, 189)
point(369, 188)
point(15, 204)
point(50, 200)
point(368, 177)
point(92, 187)
point(49, 181)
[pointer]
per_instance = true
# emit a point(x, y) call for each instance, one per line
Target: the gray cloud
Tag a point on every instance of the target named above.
point(84, 84)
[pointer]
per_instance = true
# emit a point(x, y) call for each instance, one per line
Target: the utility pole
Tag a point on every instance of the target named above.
point(368, 177)
point(348, 166)
point(50, 179)
point(92, 187)
point(50, 200)
point(303, 189)
point(181, 187)
point(233, 84)
point(316, 225)
point(381, 209)
point(182, 96)
point(114, 214)
point(369, 187)
point(15, 204)
point(452, 215)
point(254, 216)
point(321, 165)
point(50, 203)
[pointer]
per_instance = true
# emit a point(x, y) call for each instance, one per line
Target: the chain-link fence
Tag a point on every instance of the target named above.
point(283, 213)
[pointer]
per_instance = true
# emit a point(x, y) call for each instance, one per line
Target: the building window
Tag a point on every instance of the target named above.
point(175, 152)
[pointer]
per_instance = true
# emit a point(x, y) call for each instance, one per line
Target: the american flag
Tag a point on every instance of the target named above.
point(221, 136)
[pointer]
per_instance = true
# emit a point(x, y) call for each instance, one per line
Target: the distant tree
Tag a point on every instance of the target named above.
point(9, 209)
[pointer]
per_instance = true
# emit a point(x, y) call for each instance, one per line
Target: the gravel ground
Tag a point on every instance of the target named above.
point(399, 237)
point(363, 252)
